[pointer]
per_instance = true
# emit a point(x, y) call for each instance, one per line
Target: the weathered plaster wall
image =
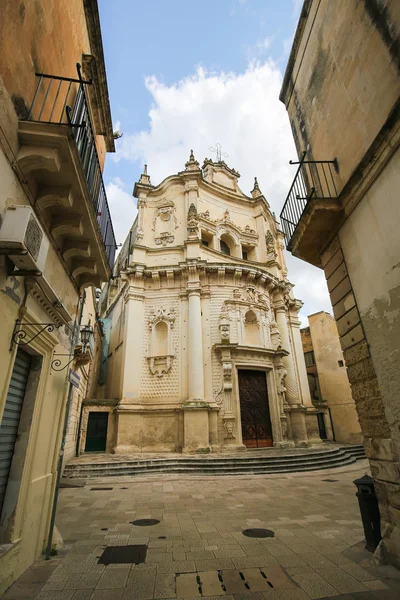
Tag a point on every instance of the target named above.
point(347, 69)
point(333, 380)
point(371, 247)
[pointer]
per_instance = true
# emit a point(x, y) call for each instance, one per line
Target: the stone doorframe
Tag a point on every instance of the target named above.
point(234, 357)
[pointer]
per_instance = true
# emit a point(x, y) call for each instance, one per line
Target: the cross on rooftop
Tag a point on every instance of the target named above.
point(218, 151)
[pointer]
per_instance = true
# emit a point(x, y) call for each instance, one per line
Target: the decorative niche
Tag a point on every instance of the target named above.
point(161, 353)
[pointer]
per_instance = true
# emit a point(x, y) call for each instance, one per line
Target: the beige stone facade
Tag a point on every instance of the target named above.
point(199, 313)
point(52, 248)
point(342, 93)
point(327, 376)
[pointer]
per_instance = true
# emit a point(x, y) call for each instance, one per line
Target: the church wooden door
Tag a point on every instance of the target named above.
point(254, 409)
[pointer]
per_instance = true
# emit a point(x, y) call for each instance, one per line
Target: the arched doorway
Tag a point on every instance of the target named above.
point(254, 409)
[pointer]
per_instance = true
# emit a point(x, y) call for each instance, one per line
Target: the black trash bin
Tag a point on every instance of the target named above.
point(369, 508)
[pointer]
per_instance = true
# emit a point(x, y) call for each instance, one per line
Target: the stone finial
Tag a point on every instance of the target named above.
point(192, 164)
point(145, 178)
point(256, 192)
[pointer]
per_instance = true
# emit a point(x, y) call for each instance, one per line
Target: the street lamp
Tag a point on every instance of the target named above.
point(87, 335)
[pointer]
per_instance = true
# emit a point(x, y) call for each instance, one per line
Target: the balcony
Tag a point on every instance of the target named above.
point(312, 208)
point(60, 166)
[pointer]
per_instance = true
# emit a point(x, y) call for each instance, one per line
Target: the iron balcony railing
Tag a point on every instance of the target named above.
point(314, 179)
point(63, 100)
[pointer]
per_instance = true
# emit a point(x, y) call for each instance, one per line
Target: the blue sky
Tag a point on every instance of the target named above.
point(170, 38)
point(185, 75)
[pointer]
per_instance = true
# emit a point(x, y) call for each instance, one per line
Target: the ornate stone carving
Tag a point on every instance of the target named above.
point(271, 249)
point(281, 385)
point(160, 364)
point(193, 222)
point(276, 339)
point(164, 239)
point(284, 428)
point(224, 326)
point(219, 396)
point(164, 223)
point(250, 295)
point(162, 314)
point(229, 426)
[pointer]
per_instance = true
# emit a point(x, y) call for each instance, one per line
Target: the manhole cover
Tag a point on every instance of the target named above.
point(258, 533)
point(145, 522)
point(99, 489)
point(331, 480)
point(117, 555)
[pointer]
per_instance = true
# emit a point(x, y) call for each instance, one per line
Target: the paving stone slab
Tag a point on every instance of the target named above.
point(314, 585)
point(342, 581)
point(113, 577)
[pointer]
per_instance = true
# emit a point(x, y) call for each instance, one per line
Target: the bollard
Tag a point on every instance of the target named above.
point(369, 508)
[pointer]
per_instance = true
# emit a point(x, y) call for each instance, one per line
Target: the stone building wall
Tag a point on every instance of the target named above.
point(345, 65)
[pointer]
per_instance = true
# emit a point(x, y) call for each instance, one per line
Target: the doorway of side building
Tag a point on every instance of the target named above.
point(96, 434)
point(10, 423)
point(254, 409)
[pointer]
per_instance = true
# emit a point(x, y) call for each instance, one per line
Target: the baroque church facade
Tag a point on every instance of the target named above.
point(200, 331)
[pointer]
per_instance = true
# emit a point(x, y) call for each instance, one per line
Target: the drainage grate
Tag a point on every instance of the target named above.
point(162, 537)
point(331, 480)
point(231, 582)
point(104, 528)
point(118, 555)
point(99, 489)
point(144, 522)
point(258, 533)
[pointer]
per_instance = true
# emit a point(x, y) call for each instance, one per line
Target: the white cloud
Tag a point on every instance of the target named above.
point(243, 113)
point(122, 207)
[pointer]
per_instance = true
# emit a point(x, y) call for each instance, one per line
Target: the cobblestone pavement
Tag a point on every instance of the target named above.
point(197, 550)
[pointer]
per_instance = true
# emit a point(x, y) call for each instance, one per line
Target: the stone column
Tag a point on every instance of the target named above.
point(196, 363)
point(292, 392)
point(297, 410)
point(305, 396)
point(129, 408)
point(196, 421)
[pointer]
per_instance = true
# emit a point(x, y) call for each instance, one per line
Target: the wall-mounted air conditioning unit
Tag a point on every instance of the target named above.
point(22, 236)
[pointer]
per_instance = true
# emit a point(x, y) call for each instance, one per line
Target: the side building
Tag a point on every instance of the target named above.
point(327, 377)
point(342, 93)
point(202, 346)
point(56, 243)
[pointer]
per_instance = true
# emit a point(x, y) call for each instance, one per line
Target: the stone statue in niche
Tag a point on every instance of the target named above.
point(276, 339)
point(281, 377)
point(270, 242)
point(165, 223)
point(229, 430)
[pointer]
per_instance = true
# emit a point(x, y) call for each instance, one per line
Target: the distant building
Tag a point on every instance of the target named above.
point(342, 213)
point(56, 245)
point(202, 336)
point(327, 377)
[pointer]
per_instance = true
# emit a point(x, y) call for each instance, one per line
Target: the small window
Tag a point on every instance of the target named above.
point(340, 363)
point(245, 255)
point(224, 248)
point(205, 243)
point(309, 358)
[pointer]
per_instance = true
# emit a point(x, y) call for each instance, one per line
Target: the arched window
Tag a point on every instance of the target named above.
point(251, 329)
point(224, 248)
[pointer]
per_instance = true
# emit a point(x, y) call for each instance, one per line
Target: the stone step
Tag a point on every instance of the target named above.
point(193, 460)
point(224, 462)
point(216, 466)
